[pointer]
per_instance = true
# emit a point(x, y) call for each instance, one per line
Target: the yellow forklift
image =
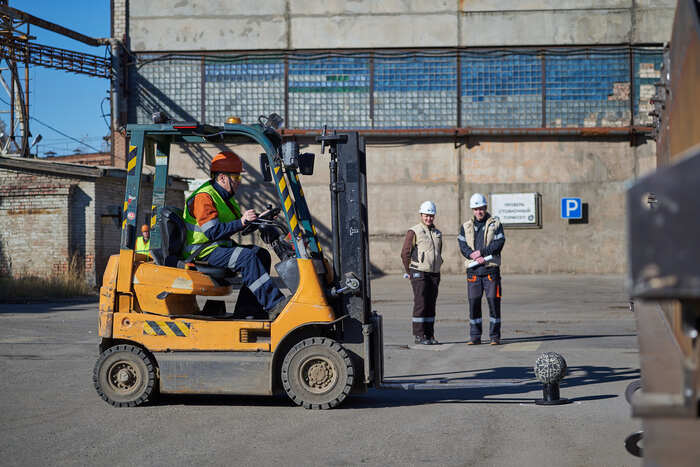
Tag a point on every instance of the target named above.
point(154, 338)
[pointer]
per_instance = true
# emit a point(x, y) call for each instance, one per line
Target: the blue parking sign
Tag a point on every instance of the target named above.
point(571, 208)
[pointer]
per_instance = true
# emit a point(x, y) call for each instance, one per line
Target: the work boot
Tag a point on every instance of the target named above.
point(474, 342)
point(433, 341)
point(425, 341)
point(495, 341)
point(417, 339)
point(275, 311)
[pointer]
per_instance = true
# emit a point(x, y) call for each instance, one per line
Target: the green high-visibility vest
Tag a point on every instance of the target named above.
point(195, 233)
point(142, 247)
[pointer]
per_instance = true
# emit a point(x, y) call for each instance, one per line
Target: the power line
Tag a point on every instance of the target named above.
point(56, 130)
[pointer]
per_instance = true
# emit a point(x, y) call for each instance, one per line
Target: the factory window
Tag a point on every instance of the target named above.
point(594, 87)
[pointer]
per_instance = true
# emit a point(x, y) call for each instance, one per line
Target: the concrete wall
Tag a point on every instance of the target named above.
point(400, 177)
point(188, 25)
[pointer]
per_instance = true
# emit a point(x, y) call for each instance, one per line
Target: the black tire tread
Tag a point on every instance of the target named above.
point(150, 367)
point(335, 347)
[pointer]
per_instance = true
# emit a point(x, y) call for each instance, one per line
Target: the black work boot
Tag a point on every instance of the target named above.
point(433, 341)
point(417, 339)
point(275, 311)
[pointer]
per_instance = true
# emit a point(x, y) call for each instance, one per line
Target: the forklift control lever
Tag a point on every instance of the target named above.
point(350, 286)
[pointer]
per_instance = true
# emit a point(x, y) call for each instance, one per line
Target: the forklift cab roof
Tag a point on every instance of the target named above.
point(151, 143)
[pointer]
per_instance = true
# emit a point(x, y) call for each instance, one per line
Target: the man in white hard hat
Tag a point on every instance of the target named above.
point(479, 238)
point(422, 257)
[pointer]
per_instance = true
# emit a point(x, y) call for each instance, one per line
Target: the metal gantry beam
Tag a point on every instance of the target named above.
point(18, 50)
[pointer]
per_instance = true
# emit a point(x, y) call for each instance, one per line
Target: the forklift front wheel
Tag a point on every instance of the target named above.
point(124, 376)
point(317, 373)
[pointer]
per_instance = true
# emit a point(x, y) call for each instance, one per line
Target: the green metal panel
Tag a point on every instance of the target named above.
point(133, 187)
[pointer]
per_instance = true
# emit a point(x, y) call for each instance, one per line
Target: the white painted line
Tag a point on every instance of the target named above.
point(521, 347)
point(434, 348)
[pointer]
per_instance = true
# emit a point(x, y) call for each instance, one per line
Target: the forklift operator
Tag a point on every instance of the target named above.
point(212, 215)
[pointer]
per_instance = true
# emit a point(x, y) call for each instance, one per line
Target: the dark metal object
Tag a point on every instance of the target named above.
point(632, 444)
point(215, 372)
point(265, 168)
point(550, 395)
point(664, 268)
point(662, 246)
point(306, 163)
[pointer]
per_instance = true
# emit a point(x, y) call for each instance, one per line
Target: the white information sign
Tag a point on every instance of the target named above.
point(515, 208)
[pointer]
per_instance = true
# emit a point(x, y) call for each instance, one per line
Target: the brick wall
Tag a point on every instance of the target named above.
point(48, 218)
point(33, 223)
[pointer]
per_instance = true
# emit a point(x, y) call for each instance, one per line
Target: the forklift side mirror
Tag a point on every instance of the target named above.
point(306, 163)
point(265, 168)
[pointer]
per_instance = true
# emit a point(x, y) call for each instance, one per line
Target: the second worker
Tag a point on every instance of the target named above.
point(422, 257)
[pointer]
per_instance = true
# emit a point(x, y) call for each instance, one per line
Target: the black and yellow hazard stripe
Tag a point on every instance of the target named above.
point(166, 328)
point(307, 223)
point(131, 165)
point(287, 203)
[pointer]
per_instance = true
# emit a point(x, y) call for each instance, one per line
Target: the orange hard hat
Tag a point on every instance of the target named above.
point(145, 228)
point(227, 162)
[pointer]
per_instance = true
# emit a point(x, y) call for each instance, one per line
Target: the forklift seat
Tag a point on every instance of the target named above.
point(173, 236)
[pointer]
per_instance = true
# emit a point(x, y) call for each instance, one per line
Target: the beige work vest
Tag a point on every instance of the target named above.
point(492, 224)
point(428, 249)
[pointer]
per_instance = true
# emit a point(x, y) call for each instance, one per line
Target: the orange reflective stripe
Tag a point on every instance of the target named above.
point(489, 276)
point(473, 279)
point(498, 291)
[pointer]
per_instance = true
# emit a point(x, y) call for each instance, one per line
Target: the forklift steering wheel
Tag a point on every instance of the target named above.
point(269, 214)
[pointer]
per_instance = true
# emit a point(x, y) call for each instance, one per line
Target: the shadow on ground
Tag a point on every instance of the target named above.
point(497, 384)
point(504, 385)
point(544, 338)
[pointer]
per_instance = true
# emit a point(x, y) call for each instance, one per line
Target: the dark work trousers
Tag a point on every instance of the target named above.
point(425, 291)
point(253, 263)
point(476, 286)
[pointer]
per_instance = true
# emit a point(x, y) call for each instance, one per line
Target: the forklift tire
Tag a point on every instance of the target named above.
point(317, 373)
point(125, 376)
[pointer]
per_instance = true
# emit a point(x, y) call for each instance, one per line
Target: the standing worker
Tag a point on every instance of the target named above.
point(212, 215)
point(422, 257)
point(480, 237)
point(143, 241)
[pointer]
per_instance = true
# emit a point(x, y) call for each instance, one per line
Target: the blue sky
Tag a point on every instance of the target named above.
point(63, 100)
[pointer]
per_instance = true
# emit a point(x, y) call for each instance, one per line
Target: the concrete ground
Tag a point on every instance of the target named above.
point(52, 415)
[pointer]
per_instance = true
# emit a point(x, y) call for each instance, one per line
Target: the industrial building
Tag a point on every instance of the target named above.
point(542, 100)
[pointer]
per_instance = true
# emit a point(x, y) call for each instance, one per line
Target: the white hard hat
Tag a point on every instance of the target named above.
point(427, 207)
point(477, 200)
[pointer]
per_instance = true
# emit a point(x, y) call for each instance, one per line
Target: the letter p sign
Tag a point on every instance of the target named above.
point(571, 208)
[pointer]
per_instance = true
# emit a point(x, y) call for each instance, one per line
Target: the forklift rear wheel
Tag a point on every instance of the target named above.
point(124, 376)
point(317, 373)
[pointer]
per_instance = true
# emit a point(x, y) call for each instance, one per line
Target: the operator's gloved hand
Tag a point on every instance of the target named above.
point(406, 276)
point(475, 254)
point(268, 233)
